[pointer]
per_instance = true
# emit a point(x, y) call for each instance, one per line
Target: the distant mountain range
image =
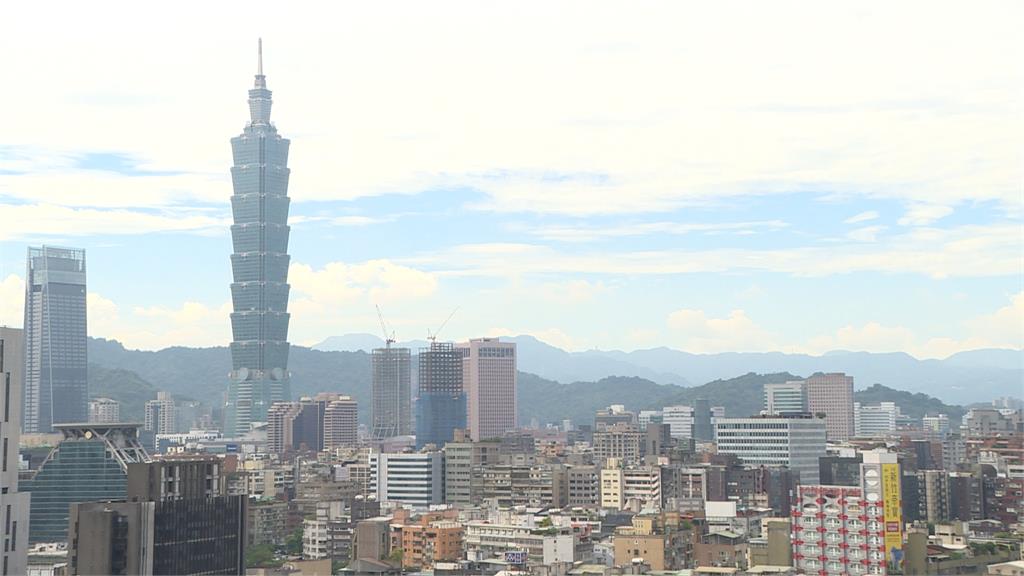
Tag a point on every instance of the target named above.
point(133, 377)
point(962, 378)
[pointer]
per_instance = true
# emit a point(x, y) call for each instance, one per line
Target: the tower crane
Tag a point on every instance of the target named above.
point(389, 339)
point(433, 337)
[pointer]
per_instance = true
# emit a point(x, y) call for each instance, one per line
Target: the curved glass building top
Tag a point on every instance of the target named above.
point(259, 265)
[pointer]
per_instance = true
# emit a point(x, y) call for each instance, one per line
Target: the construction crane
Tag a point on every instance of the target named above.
point(389, 339)
point(433, 337)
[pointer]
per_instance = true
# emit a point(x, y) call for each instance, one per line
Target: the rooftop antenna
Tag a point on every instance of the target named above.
point(388, 339)
point(259, 70)
point(433, 337)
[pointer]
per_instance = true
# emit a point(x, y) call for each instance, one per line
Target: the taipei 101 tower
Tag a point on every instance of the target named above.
point(259, 293)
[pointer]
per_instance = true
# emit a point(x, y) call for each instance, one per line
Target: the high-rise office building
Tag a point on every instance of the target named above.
point(832, 395)
point(322, 422)
point(259, 291)
point(785, 397)
point(14, 505)
point(680, 420)
point(702, 428)
point(89, 464)
point(796, 442)
point(341, 422)
point(937, 424)
point(392, 392)
point(489, 378)
point(441, 405)
point(56, 375)
point(871, 420)
point(413, 479)
point(176, 519)
point(104, 411)
point(161, 417)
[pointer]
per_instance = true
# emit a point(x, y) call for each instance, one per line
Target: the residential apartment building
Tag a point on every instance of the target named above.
point(836, 531)
point(160, 417)
point(104, 411)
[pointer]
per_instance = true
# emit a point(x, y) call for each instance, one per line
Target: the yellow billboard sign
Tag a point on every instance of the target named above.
point(893, 513)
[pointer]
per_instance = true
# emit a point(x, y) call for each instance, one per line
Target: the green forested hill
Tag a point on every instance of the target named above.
point(132, 377)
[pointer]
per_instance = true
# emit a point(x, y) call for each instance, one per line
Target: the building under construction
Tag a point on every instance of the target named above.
point(392, 392)
point(441, 402)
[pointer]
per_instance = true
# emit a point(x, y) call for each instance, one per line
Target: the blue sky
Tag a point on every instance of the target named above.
point(738, 177)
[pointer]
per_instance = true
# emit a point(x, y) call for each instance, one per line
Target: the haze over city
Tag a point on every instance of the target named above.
point(738, 177)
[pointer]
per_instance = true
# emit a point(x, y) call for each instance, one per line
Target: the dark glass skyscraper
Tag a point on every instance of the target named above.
point(56, 366)
point(259, 321)
point(441, 405)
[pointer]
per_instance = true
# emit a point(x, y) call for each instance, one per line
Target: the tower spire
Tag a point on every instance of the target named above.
point(259, 69)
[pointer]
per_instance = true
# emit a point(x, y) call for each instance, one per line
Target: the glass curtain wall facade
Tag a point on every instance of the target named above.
point(259, 293)
point(56, 376)
point(89, 465)
point(441, 406)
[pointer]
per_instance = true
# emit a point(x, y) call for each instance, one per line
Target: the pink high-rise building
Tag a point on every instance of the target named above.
point(489, 379)
point(832, 394)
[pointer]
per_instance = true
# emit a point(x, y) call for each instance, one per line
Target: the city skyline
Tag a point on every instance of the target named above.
point(717, 184)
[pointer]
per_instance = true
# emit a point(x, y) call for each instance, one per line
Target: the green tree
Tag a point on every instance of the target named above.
point(261, 556)
point(396, 556)
point(293, 542)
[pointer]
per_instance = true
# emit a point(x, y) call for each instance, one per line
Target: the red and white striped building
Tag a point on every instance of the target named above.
point(837, 531)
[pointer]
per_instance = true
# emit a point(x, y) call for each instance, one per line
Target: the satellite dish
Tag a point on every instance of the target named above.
point(243, 373)
point(277, 374)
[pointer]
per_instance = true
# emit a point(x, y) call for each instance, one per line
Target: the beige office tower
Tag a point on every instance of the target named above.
point(832, 394)
point(14, 505)
point(489, 378)
point(341, 420)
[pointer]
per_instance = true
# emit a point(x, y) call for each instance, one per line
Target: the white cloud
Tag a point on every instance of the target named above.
point(924, 214)
point(865, 234)
point(871, 337)
point(589, 233)
point(573, 291)
point(695, 332)
point(964, 251)
point(12, 300)
point(53, 221)
point(861, 217)
point(332, 299)
point(1004, 328)
point(540, 126)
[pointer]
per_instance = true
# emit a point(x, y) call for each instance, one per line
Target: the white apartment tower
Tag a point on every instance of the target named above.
point(104, 411)
point(160, 415)
point(489, 378)
point(14, 505)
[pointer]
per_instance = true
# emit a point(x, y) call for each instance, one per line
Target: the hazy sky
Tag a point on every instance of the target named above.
point(707, 176)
